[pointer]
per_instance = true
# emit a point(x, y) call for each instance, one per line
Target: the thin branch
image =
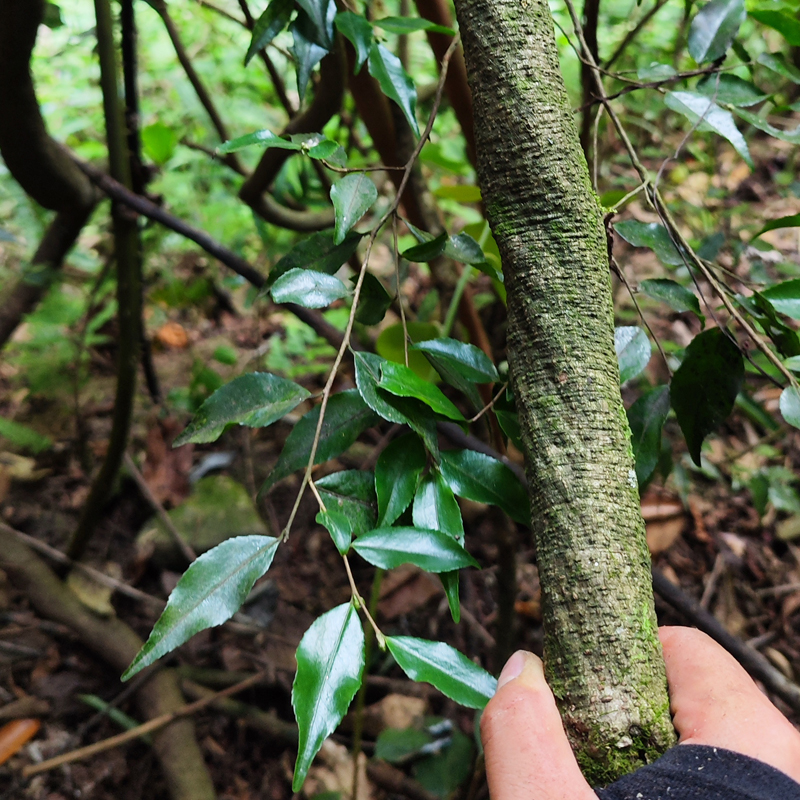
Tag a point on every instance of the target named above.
point(634, 32)
point(490, 404)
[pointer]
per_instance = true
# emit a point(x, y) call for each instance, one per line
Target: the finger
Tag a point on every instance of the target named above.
point(528, 756)
point(715, 702)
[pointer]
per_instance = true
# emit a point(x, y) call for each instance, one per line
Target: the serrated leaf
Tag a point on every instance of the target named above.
point(321, 14)
point(330, 663)
point(265, 138)
point(787, 26)
point(707, 115)
point(646, 418)
point(307, 52)
point(714, 28)
point(792, 136)
point(351, 492)
point(396, 473)
point(705, 386)
point(778, 64)
point(339, 526)
point(633, 351)
point(210, 592)
point(677, 297)
point(274, 19)
point(652, 235)
point(345, 418)
point(256, 400)
point(484, 479)
point(317, 252)
point(426, 251)
point(373, 302)
point(730, 89)
point(359, 31)
point(308, 288)
point(451, 672)
point(790, 406)
point(402, 381)
point(470, 362)
point(388, 70)
point(791, 221)
point(405, 25)
point(352, 197)
point(427, 549)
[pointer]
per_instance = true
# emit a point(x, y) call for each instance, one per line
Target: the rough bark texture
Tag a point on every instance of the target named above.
point(602, 653)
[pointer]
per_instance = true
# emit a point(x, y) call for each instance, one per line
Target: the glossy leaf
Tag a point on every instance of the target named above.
point(390, 345)
point(316, 252)
point(646, 418)
point(373, 302)
point(396, 474)
point(426, 251)
point(351, 492)
point(265, 138)
point(256, 399)
point(451, 672)
point(462, 247)
point(352, 197)
point(785, 297)
point(339, 526)
point(673, 294)
point(209, 593)
point(328, 150)
point(633, 351)
point(791, 221)
point(274, 19)
point(705, 386)
point(790, 406)
point(707, 115)
point(308, 288)
point(484, 479)
point(652, 235)
point(713, 29)
point(404, 25)
point(359, 31)
point(307, 52)
point(788, 26)
point(778, 64)
point(388, 70)
point(727, 88)
point(345, 418)
point(321, 14)
point(330, 663)
point(791, 136)
point(399, 380)
point(435, 506)
point(470, 362)
point(427, 549)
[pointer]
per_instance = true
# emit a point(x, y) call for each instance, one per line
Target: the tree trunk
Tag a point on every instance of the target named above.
point(602, 653)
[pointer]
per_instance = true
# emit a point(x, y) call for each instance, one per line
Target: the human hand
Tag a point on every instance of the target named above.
point(713, 700)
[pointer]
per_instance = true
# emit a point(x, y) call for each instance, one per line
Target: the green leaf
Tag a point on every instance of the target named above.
point(777, 63)
point(388, 70)
point(22, 436)
point(396, 473)
point(785, 297)
point(352, 493)
point(461, 193)
point(330, 663)
point(256, 399)
point(225, 355)
point(209, 593)
point(396, 745)
point(791, 136)
point(427, 251)
point(317, 252)
point(306, 50)
point(352, 197)
point(308, 288)
point(633, 351)
point(345, 418)
point(484, 479)
point(792, 363)
point(390, 345)
point(791, 221)
point(436, 507)
point(655, 72)
point(646, 418)
point(462, 247)
point(707, 115)
point(442, 772)
point(714, 28)
point(652, 235)
point(673, 294)
point(404, 25)
point(790, 406)
point(263, 137)
point(330, 151)
point(359, 31)
point(373, 302)
point(52, 16)
point(788, 27)
point(158, 141)
point(468, 361)
point(451, 672)
point(402, 381)
point(339, 526)
point(321, 14)
point(430, 550)
point(705, 386)
point(274, 19)
point(727, 88)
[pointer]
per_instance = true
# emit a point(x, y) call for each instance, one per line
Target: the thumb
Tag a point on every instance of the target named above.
point(528, 756)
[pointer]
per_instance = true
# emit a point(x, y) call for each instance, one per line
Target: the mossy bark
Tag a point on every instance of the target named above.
point(602, 654)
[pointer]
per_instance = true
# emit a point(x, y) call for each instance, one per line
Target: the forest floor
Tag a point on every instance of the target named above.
point(703, 529)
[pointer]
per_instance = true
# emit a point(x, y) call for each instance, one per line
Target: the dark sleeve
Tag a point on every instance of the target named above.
point(697, 772)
